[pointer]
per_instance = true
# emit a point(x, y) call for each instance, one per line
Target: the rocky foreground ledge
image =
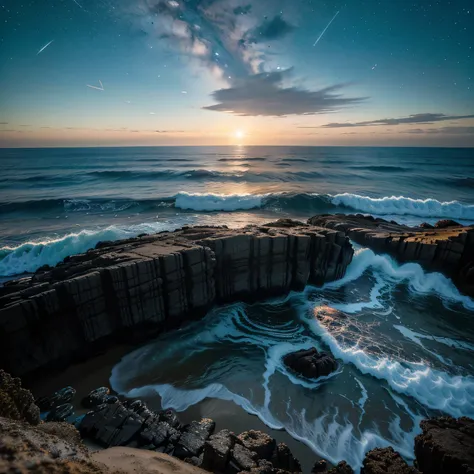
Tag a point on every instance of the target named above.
point(139, 440)
point(141, 286)
point(447, 246)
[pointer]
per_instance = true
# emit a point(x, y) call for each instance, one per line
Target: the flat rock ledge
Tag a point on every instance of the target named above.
point(136, 288)
point(447, 246)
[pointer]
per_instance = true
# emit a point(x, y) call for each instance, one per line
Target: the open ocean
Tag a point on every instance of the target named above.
point(405, 350)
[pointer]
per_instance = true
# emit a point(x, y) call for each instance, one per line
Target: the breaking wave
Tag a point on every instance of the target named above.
point(405, 206)
point(29, 256)
point(408, 390)
point(301, 202)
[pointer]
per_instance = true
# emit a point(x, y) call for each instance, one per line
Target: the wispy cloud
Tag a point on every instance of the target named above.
point(442, 131)
point(265, 94)
point(425, 118)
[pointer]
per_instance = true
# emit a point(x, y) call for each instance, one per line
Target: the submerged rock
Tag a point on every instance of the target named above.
point(386, 461)
point(310, 363)
point(446, 446)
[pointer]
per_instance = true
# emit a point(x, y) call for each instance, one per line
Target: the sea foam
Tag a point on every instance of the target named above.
point(400, 205)
point(29, 256)
point(217, 202)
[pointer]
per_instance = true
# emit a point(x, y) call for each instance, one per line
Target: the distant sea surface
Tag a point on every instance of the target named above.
point(404, 347)
point(56, 202)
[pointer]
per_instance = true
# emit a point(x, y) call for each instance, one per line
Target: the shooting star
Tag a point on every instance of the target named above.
point(324, 31)
point(78, 4)
point(101, 88)
point(44, 47)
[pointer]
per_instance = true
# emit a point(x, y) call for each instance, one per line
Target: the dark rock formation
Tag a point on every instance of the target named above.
point(60, 413)
point(50, 448)
point(321, 468)
point(310, 363)
point(17, 403)
point(283, 459)
point(448, 248)
point(193, 438)
point(445, 223)
point(446, 446)
point(259, 442)
point(61, 397)
point(96, 397)
point(139, 287)
point(217, 451)
point(242, 458)
point(386, 461)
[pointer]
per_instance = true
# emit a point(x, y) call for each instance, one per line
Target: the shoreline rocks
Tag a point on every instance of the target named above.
point(134, 289)
point(446, 445)
point(310, 363)
point(447, 246)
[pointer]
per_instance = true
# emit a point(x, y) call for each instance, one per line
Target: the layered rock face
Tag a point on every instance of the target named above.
point(446, 446)
point(142, 286)
point(447, 246)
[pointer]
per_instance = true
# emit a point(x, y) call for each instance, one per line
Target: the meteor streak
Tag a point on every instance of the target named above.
point(44, 47)
point(324, 31)
point(101, 88)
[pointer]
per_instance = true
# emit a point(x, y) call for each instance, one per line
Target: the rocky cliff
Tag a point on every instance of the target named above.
point(447, 246)
point(148, 284)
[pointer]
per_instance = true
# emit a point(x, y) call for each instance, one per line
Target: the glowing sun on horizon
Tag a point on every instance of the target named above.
point(239, 134)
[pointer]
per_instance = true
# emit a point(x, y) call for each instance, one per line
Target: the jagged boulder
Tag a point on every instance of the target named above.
point(111, 425)
point(283, 459)
point(16, 402)
point(446, 446)
point(242, 459)
point(259, 442)
point(320, 467)
point(445, 223)
point(217, 451)
point(97, 397)
point(61, 397)
point(386, 461)
point(310, 363)
point(60, 413)
point(193, 438)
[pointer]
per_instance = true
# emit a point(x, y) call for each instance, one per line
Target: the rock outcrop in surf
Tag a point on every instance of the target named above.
point(447, 247)
point(141, 286)
point(310, 363)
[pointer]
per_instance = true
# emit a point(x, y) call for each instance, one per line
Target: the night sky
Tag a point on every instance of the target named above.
point(218, 72)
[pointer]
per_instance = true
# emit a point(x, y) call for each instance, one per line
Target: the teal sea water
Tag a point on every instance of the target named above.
point(405, 345)
point(56, 202)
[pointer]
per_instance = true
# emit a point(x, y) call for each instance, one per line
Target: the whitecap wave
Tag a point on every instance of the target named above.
point(218, 202)
point(434, 389)
point(400, 205)
point(388, 272)
point(29, 256)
